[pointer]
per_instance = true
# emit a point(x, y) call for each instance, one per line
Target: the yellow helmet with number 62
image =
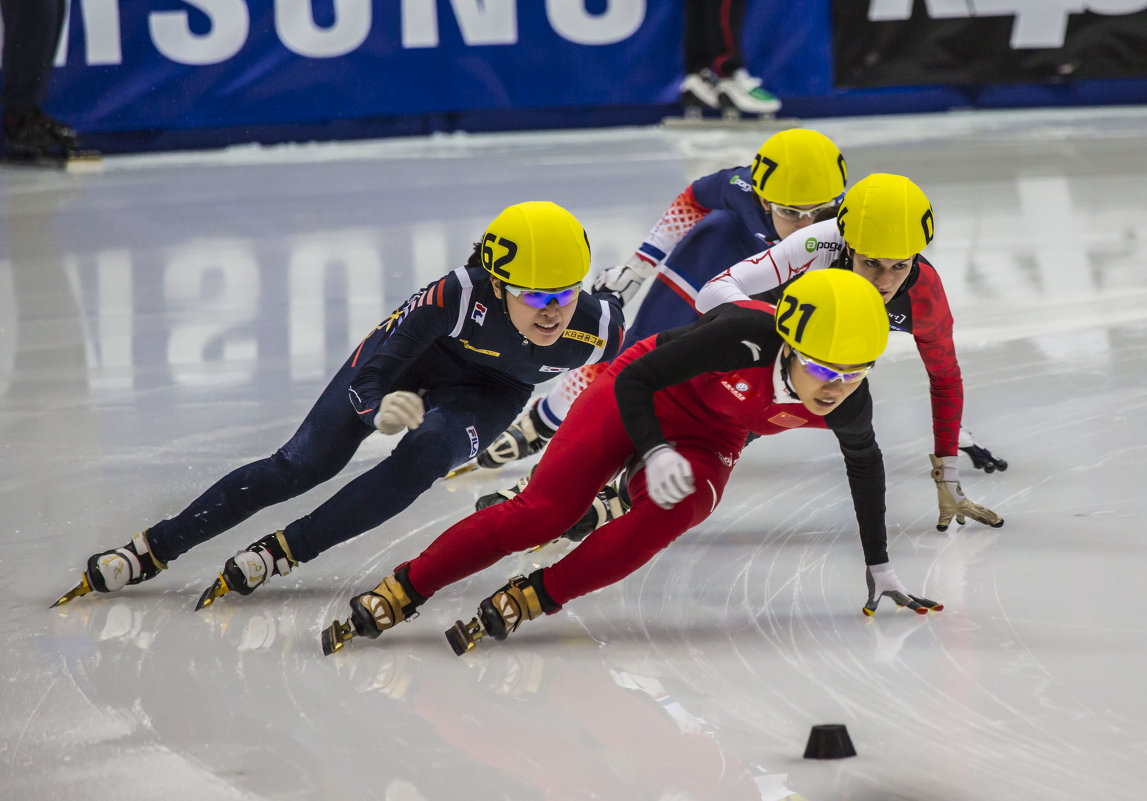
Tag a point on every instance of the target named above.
point(886, 217)
point(833, 316)
point(799, 167)
point(536, 245)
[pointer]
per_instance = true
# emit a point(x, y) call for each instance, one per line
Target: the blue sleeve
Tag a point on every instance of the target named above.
point(399, 340)
point(711, 190)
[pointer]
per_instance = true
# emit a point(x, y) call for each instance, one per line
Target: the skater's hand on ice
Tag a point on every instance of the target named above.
point(397, 411)
point(882, 581)
point(951, 498)
point(668, 476)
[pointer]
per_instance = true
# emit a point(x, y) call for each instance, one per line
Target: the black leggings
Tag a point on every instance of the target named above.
point(31, 35)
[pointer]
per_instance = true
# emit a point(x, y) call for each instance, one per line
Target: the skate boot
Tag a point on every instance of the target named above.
point(113, 570)
point(250, 568)
point(526, 435)
point(742, 93)
point(981, 457)
point(610, 503)
point(699, 92)
point(521, 599)
point(391, 602)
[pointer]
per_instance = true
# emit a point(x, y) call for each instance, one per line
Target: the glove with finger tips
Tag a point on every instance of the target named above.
point(882, 580)
point(399, 410)
point(951, 499)
point(624, 280)
point(668, 476)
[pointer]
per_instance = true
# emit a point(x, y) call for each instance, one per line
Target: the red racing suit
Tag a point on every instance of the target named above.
point(703, 387)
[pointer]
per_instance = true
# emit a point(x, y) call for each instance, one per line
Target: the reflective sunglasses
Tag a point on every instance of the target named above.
point(827, 374)
point(540, 298)
point(824, 211)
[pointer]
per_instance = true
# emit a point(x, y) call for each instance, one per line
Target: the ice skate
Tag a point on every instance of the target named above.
point(33, 138)
point(391, 602)
point(526, 435)
point(982, 458)
point(499, 614)
point(113, 570)
point(250, 568)
point(699, 92)
point(742, 94)
point(611, 502)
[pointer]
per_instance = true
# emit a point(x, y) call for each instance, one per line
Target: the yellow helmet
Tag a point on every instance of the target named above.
point(886, 217)
point(799, 167)
point(536, 245)
point(833, 316)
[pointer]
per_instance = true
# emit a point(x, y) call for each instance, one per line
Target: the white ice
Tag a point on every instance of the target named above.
point(173, 317)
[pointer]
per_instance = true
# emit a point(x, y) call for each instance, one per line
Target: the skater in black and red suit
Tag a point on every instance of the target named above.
point(675, 410)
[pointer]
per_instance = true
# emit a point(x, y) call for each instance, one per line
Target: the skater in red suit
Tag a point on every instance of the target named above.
point(674, 410)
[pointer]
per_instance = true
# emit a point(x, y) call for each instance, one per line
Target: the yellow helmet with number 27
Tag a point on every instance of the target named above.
point(833, 316)
point(799, 167)
point(536, 245)
point(886, 217)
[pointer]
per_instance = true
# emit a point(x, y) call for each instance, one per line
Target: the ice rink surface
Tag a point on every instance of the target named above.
point(174, 317)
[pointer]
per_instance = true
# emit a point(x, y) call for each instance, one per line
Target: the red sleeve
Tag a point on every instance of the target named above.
point(932, 328)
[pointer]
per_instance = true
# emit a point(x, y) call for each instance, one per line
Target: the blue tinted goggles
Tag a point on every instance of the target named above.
point(826, 374)
point(540, 298)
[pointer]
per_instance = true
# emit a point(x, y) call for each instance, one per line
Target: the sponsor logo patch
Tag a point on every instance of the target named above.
point(741, 184)
point(584, 336)
point(812, 245)
point(545, 368)
point(479, 313)
point(473, 432)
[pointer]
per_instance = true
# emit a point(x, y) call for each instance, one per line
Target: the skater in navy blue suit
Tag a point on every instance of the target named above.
point(452, 367)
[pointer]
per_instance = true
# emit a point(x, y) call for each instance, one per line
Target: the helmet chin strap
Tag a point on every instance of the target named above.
point(785, 362)
point(506, 310)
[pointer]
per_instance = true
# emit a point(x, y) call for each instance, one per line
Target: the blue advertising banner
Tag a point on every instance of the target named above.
point(145, 74)
point(157, 64)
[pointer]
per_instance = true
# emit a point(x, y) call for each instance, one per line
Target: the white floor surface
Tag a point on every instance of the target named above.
point(173, 317)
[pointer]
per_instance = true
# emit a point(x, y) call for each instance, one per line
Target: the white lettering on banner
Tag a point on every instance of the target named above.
point(171, 32)
point(102, 42)
point(618, 22)
point(1039, 23)
point(481, 22)
point(295, 24)
point(492, 22)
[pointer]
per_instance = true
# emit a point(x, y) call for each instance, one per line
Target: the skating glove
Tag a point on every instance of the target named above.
point(951, 497)
point(668, 476)
point(625, 279)
point(397, 411)
point(882, 581)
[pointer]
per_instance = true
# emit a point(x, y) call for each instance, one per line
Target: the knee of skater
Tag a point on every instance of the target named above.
point(299, 475)
point(423, 459)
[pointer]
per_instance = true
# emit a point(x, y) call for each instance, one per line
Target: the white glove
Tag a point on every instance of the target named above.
point(882, 581)
point(397, 411)
point(624, 280)
point(668, 476)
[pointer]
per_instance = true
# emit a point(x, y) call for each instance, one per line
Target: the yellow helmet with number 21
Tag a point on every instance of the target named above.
point(886, 217)
point(536, 245)
point(833, 316)
point(799, 167)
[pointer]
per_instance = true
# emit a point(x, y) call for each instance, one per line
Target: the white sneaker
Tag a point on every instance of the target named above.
point(743, 92)
point(700, 88)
